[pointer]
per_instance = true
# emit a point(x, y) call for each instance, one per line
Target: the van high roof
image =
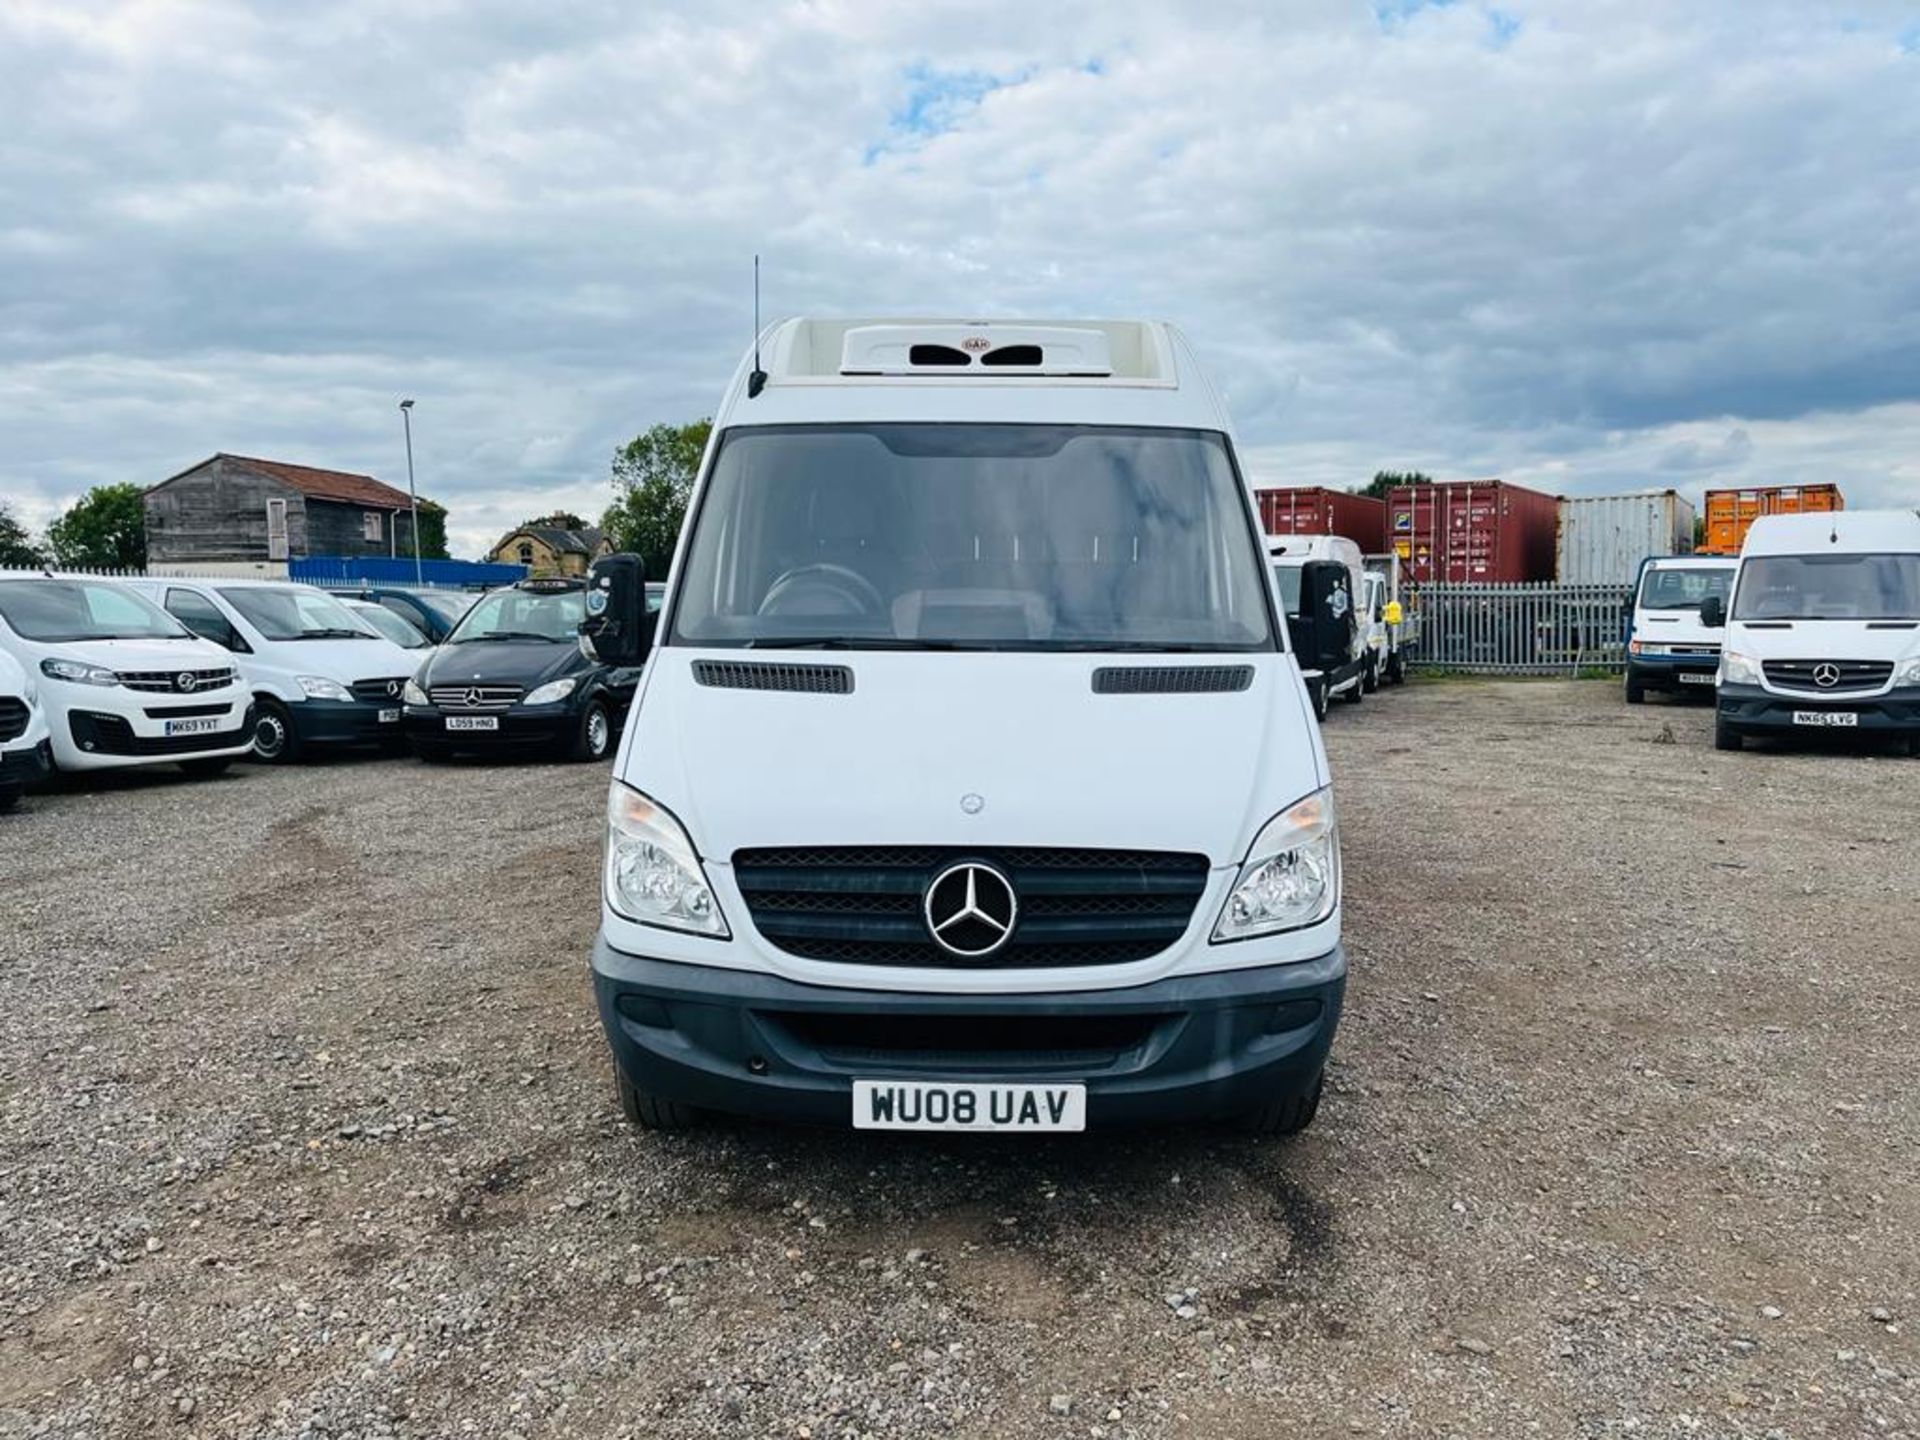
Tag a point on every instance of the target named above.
point(1851, 532)
point(880, 369)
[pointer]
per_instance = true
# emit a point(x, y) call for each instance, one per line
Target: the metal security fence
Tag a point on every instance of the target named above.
point(1543, 629)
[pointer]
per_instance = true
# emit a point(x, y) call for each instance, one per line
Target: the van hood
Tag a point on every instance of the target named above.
point(375, 658)
point(1050, 762)
point(183, 654)
point(1824, 639)
point(502, 662)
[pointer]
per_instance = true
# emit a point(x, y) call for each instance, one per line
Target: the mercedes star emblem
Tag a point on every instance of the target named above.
point(471, 699)
point(186, 682)
point(972, 804)
point(970, 909)
point(1826, 674)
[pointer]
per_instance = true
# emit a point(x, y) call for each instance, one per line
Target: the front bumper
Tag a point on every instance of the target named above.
point(344, 722)
point(1192, 1047)
point(25, 766)
point(1663, 672)
point(103, 739)
point(545, 727)
point(1750, 707)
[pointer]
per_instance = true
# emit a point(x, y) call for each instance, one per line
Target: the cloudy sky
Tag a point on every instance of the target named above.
point(1589, 245)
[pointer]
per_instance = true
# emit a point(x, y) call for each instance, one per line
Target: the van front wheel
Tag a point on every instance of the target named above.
point(1288, 1115)
point(1726, 737)
point(650, 1112)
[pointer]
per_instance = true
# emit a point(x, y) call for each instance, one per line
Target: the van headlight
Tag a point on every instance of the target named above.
point(319, 687)
point(1738, 669)
point(1291, 877)
point(550, 692)
point(653, 876)
point(412, 694)
point(77, 672)
point(1909, 672)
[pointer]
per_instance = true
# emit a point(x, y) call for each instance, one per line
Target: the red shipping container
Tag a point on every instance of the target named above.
point(1473, 531)
point(1316, 510)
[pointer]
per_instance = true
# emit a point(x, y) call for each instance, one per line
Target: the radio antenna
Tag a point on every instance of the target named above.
point(757, 379)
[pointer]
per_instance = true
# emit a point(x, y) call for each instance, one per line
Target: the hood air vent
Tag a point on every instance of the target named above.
point(752, 675)
point(1171, 679)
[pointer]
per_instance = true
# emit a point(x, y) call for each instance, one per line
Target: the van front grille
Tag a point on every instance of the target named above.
point(474, 698)
point(1839, 674)
point(863, 905)
point(387, 690)
point(169, 682)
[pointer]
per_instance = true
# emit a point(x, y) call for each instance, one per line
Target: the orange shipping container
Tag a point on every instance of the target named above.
point(1730, 512)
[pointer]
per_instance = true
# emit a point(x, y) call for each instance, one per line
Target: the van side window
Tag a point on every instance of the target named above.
point(202, 617)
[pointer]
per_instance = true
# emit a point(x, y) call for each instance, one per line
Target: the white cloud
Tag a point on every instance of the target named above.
point(1596, 245)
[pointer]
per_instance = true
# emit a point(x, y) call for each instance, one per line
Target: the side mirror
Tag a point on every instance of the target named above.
point(617, 630)
point(1393, 614)
point(1326, 615)
point(1713, 612)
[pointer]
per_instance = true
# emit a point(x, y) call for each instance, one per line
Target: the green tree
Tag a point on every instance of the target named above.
point(653, 476)
point(105, 529)
point(17, 549)
point(1385, 480)
point(433, 531)
point(558, 520)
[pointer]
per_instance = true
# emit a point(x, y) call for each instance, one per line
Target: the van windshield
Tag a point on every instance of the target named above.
point(63, 610)
point(1829, 587)
point(1683, 588)
point(515, 614)
point(992, 537)
point(291, 613)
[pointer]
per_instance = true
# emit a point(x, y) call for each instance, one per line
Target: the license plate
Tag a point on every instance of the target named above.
point(193, 727)
point(1842, 718)
point(958, 1105)
point(389, 717)
point(473, 722)
point(1696, 677)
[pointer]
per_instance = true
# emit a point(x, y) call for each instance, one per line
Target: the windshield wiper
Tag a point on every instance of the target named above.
point(332, 633)
point(510, 635)
point(861, 642)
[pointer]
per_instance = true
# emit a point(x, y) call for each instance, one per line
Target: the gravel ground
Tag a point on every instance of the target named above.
point(308, 1131)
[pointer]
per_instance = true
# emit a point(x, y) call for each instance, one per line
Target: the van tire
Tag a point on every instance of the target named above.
point(1288, 1115)
point(1370, 682)
point(650, 1112)
point(1396, 669)
point(207, 765)
point(1726, 737)
point(1356, 694)
point(1636, 692)
point(593, 740)
point(272, 720)
point(9, 797)
point(1317, 694)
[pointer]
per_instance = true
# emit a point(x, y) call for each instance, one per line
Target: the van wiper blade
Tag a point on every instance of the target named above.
point(510, 635)
point(334, 632)
point(860, 642)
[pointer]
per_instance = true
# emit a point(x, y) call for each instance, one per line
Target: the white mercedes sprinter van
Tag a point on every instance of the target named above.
point(1823, 630)
point(970, 784)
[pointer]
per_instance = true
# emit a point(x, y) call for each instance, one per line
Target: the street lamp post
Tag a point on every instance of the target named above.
point(406, 422)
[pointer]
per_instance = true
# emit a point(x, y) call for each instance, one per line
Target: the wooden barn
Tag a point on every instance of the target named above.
point(238, 511)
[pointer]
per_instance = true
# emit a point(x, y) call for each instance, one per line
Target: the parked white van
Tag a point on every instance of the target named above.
point(969, 785)
point(318, 673)
point(1349, 671)
point(1669, 646)
point(120, 681)
point(25, 754)
point(1823, 630)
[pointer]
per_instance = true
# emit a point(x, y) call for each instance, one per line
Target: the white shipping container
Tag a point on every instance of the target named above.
point(1603, 538)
